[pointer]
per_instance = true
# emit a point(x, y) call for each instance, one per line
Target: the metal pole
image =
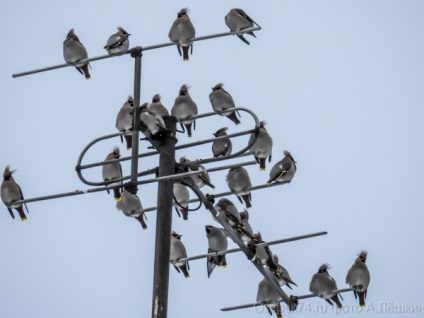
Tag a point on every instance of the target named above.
point(136, 54)
point(164, 222)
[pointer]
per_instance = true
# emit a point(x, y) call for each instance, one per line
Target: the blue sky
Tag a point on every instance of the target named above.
point(340, 85)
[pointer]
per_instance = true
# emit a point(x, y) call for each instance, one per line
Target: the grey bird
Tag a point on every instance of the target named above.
point(228, 213)
point(124, 121)
point(217, 242)
point(182, 31)
point(238, 20)
point(222, 147)
point(178, 252)
point(247, 234)
point(282, 275)
point(262, 147)
point(324, 286)
point(130, 205)
point(221, 101)
point(118, 43)
point(184, 108)
point(239, 182)
point(113, 171)
point(283, 170)
point(269, 297)
point(200, 179)
point(262, 254)
point(10, 193)
point(358, 277)
point(181, 197)
point(156, 106)
point(151, 124)
point(74, 51)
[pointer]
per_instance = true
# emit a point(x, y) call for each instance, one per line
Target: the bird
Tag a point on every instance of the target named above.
point(113, 171)
point(200, 179)
point(247, 234)
point(74, 51)
point(177, 252)
point(227, 212)
point(262, 146)
point(283, 170)
point(358, 277)
point(324, 286)
point(124, 121)
point(10, 193)
point(239, 182)
point(282, 275)
point(237, 20)
point(118, 43)
point(181, 197)
point(222, 147)
point(262, 254)
point(269, 297)
point(156, 106)
point(182, 31)
point(217, 242)
point(184, 108)
point(221, 100)
point(151, 124)
point(131, 206)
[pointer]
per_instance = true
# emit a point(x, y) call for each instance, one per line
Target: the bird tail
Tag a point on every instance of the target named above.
point(246, 198)
point(185, 53)
point(117, 194)
point(241, 37)
point(128, 139)
point(277, 310)
point(361, 296)
point(335, 298)
point(188, 127)
point(185, 271)
point(21, 213)
point(84, 68)
point(141, 220)
point(233, 117)
point(262, 164)
point(184, 212)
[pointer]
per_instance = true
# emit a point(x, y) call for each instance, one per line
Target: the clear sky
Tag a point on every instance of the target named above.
point(340, 84)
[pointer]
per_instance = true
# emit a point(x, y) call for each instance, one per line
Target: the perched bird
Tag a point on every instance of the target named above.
point(118, 43)
point(177, 252)
point(262, 147)
point(124, 121)
point(200, 179)
point(239, 182)
point(262, 254)
point(282, 275)
point(182, 31)
point(74, 51)
point(217, 242)
point(268, 296)
point(324, 286)
point(156, 106)
point(228, 213)
point(130, 205)
point(151, 124)
point(222, 147)
point(181, 197)
point(283, 170)
point(184, 108)
point(358, 277)
point(113, 171)
point(237, 20)
point(11, 192)
point(247, 234)
point(221, 100)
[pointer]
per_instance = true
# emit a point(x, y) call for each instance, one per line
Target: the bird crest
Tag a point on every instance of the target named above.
point(156, 98)
point(288, 154)
point(123, 31)
point(8, 173)
point(217, 86)
point(183, 12)
point(323, 268)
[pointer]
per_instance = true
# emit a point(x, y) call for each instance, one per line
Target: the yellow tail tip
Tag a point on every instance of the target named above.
point(186, 59)
point(361, 305)
point(144, 227)
point(224, 266)
point(268, 184)
point(24, 218)
point(88, 77)
point(262, 169)
point(118, 199)
point(187, 276)
point(189, 136)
